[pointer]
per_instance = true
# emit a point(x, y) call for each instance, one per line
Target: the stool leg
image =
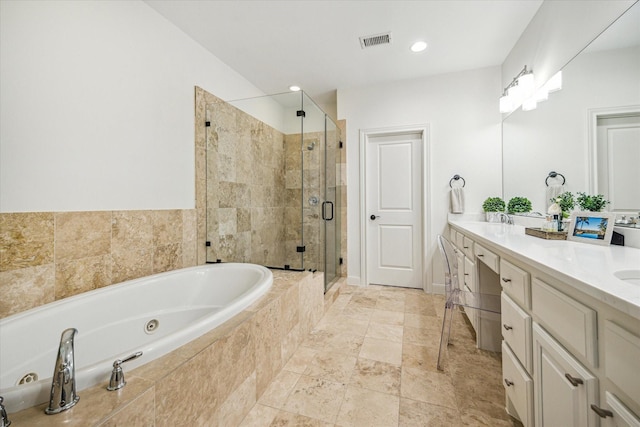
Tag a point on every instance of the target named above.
point(446, 328)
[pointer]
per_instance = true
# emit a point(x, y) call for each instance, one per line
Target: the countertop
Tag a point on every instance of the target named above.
point(588, 268)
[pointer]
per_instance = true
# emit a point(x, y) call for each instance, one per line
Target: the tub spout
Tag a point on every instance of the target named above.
point(63, 384)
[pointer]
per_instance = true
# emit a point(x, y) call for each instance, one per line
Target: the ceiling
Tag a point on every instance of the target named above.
point(315, 44)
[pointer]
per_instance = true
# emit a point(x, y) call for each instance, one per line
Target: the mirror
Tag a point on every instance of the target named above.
point(588, 132)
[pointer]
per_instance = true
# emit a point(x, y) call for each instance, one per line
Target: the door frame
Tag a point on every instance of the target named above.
point(425, 171)
point(593, 114)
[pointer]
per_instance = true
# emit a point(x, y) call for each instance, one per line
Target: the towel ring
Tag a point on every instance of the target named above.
point(456, 178)
point(554, 174)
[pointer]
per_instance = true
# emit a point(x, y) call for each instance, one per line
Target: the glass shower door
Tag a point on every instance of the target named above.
point(330, 211)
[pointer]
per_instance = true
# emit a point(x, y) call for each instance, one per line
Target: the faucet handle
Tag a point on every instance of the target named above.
point(4, 419)
point(117, 375)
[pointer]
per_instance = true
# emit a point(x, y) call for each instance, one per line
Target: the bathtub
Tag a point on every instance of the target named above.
point(154, 314)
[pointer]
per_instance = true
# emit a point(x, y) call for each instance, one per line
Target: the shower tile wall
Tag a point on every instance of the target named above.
point(47, 256)
point(245, 188)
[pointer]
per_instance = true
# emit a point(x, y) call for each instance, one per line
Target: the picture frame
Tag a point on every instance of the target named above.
point(595, 228)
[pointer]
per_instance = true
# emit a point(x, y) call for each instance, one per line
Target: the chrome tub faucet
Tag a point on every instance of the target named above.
point(4, 419)
point(63, 384)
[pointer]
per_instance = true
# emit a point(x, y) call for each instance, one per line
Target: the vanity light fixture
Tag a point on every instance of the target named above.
point(521, 91)
point(294, 88)
point(418, 46)
point(554, 83)
point(521, 88)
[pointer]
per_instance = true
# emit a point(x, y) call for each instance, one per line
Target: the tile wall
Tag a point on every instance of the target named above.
point(47, 256)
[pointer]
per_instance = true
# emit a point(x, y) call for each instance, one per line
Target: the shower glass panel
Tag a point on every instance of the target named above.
point(330, 211)
point(271, 184)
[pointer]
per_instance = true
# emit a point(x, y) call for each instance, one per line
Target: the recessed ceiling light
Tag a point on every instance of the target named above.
point(294, 88)
point(418, 46)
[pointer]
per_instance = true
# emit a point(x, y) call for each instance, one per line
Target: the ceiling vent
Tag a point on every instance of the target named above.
point(375, 40)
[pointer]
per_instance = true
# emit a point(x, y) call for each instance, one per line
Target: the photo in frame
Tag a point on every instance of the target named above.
point(591, 227)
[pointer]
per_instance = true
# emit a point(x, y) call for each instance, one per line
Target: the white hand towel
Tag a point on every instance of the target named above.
point(553, 191)
point(457, 200)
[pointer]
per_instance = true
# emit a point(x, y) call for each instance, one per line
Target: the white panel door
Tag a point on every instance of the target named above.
point(394, 209)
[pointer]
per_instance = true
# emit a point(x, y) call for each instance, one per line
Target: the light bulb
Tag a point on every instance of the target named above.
point(418, 46)
point(529, 104)
point(527, 85)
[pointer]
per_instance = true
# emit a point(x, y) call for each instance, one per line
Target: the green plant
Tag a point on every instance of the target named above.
point(566, 202)
point(519, 205)
point(493, 204)
point(591, 203)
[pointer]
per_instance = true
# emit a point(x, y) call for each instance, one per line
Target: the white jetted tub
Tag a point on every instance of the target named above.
point(154, 314)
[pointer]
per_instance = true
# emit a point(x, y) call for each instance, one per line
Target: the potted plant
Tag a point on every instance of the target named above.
point(492, 206)
point(591, 203)
point(566, 203)
point(519, 204)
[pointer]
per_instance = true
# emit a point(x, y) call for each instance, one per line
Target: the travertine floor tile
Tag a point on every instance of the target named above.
point(419, 356)
point(368, 408)
point(414, 413)
point(385, 332)
point(342, 323)
point(388, 317)
point(378, 376)
point(276, 394)
point(371, 361)
point(259, 416)
point(287, 419)
point(300, 359)
point(316, 398)
point(428, 386)
point(382, 350)
point(331, 366)
point(422, 336)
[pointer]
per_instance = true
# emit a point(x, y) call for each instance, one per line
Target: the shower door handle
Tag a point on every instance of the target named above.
point(324, 211)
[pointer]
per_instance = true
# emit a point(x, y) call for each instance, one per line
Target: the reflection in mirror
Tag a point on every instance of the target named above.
point(601, 84)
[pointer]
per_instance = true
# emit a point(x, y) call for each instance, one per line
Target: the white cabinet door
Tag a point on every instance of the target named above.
point(564, 389)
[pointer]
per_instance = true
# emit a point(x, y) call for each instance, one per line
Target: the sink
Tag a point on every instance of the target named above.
point(629, 276)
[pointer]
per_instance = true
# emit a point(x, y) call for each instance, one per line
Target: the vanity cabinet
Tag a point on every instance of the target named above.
point(564, 389)
point(568, 358)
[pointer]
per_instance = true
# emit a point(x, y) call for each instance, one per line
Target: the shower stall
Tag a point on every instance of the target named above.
point(273, 193)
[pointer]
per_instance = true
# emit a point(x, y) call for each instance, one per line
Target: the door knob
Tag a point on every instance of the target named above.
point(373, 217)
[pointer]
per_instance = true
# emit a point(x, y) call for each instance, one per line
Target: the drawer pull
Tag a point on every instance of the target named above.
point(574, 381)
point(505, 280)
point(603, 413)
point(466, 274)
point(510, 383)
point(507, 327)
point(480, 255)
point(466, 247)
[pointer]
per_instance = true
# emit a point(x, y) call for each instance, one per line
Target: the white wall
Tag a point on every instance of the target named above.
point(558, 31)
point(97, 106)
point(462, 111)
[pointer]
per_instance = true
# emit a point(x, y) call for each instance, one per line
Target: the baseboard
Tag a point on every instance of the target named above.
point(437, 288)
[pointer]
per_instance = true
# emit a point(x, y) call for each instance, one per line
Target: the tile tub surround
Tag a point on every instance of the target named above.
point(47, 256)
point(215, 379)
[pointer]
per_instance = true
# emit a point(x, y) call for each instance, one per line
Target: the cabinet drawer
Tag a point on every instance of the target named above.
point(571, 322)
point(516, 331)
point(469, 274)
point(518, 386)
point(516, 283)
point(459, 240)
point(622, 416)
point(467, 246)
point(621, 361)
point(486, 256)
point(452, 235)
